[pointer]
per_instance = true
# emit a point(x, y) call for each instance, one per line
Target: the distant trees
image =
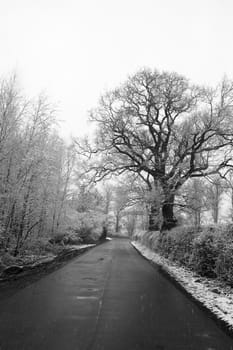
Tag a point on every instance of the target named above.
point(122, 201)
point(166, 131)
point(193, 200)
point(215, 189)
point(228, 186)
point(201, 196)
point(89, 206)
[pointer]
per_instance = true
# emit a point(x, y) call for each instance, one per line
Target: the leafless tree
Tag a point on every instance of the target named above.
point(30, 168)
point(160, 127)
point(215, 189)
point(193, 200)
point(228, 187)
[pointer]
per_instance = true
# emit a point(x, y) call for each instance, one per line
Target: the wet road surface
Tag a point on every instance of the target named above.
point(110, 298)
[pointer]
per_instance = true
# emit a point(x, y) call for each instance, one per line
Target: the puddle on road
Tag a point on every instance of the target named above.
point(88, 290)
point(83, 297)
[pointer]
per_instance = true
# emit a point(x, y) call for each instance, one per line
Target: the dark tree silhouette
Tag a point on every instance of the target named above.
point(165, 130)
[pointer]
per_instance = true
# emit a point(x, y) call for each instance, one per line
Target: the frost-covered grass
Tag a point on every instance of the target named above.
point(213, 294)
point(31, 257)
point(80, 246)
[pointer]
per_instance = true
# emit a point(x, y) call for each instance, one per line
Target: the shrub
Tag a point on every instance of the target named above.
point(36, 246)
point(149, 239)
point(57, 239)
point(224, 264)
point(205, 252)
point(53, 248)
point(8, 259)
point(165, 243)
point(66, 238)
point(2, 265)
point(89, 227)
point(176, 244)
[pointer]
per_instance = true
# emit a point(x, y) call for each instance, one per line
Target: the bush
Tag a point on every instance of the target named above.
point(57, 239)
point(177, 245)
point(66, 238)
point(39, 246)
point(7, 259)
point(149, 239)
point(88, 227)
point(207, 251)
point(53, 248)
point(2, 265)
point(224, 264)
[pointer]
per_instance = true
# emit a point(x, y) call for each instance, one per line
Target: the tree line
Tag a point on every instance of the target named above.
point(157, 133)
point(35, 168)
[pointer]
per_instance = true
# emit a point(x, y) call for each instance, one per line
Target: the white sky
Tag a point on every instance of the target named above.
point(74, 50)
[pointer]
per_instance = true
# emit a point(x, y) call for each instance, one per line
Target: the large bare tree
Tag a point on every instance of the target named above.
point(165, 130)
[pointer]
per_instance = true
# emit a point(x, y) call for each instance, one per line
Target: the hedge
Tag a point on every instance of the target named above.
point(207, 251)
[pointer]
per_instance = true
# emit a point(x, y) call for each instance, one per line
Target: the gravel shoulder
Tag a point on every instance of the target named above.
point(211, 294)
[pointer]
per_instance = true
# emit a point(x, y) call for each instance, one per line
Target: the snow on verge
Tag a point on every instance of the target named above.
point(81, 246)
point(217, 298)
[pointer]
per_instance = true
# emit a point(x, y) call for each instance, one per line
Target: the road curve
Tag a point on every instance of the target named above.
point(110, 298)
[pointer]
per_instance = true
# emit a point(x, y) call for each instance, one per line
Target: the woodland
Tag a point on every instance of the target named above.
point(160, 159)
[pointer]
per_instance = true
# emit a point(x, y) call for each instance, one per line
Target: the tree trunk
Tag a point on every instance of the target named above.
point(23, 217)
point(104, 232)
point(169, 221)
point(117, 227)
point(232, 204)
point(197, 216)
point(9, 226)
point(154, 218)
point(216, 205)
point(216, 202)
point(215, 213)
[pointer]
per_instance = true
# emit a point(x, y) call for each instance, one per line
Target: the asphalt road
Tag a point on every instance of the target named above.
point(110, 298)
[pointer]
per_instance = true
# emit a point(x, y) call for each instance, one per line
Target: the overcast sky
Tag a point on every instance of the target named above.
point(74, 50)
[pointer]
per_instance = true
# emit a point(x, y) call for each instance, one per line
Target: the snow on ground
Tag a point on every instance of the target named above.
point(81, 246)
point(211, 293)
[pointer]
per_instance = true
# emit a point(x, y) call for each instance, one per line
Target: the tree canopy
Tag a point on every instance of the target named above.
point(164, 129)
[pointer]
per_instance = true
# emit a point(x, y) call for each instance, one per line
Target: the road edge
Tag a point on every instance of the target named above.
point(222, 324)
point(45, 266)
